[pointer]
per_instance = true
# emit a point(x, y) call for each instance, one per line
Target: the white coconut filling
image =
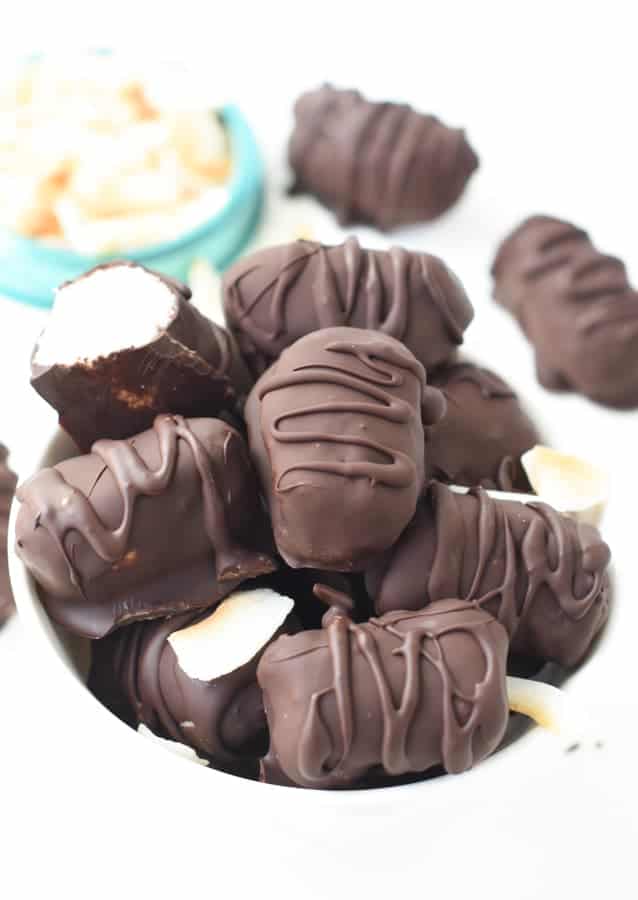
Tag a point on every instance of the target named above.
point(232, 635)
point(109, 310)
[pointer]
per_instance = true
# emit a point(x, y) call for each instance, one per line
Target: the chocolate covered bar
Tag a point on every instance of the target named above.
point(397, 694)
point(277, 295)
point(484, 431)
point(124, 344)
point(542, 575)
point(336, 430)
point(161, 523)
point(7, 488)
point(384, 164)
point(191, 678)
point(576, 306)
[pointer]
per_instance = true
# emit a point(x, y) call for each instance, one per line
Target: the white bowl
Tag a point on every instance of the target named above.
point(284, 828)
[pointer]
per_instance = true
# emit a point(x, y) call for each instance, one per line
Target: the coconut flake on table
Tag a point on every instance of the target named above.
point(88, 315)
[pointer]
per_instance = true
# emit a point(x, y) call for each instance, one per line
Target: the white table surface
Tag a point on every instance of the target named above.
point(548, 100)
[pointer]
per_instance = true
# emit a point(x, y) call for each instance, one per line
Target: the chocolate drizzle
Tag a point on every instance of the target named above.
point(326, 102)
point(62, 509)
point(432, 683)
point(382, 163)
point(426, 640)
point(548, 558)
point(347, 408)
point(542, 575)
point(143, 527)
point(577, 307)
point(383, 366)
point(280, 294)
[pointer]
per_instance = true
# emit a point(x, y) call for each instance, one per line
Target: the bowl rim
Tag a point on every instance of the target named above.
point(247, 170)
point(476, 784)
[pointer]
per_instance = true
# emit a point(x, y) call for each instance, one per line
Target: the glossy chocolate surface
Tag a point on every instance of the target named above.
point(132, 529)
point(193, 368)
point(542, 575)
point(277, 295)
point(484, 432)
point(336, 430)
point(576, 306)
point(397, 694)
point(384, 164)
point(136, 673)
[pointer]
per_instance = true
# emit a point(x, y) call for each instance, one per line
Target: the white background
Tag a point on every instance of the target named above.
point(547, 93)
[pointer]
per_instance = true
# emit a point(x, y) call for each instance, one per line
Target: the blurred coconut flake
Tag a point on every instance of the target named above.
point(100, 154)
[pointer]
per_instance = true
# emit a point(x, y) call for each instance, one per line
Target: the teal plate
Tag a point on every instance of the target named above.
point(30, 270)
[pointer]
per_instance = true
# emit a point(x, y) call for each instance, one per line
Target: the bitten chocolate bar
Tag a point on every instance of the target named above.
point(124, 344)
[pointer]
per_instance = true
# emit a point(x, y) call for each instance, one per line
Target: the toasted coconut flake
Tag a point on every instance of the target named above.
point(569, 483)
point(231, 635)
point(550, 708)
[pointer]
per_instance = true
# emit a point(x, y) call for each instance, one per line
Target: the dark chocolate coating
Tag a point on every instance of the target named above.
point(542, 575)
point(575, 305)
point(275, 296)
point(336, 430)
point(400, 693)
point(136, 673)
point(131, 529)
point(379, 163)
point(7, 489)
point(193, 368)
point(300, 583)
point(484, 431)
